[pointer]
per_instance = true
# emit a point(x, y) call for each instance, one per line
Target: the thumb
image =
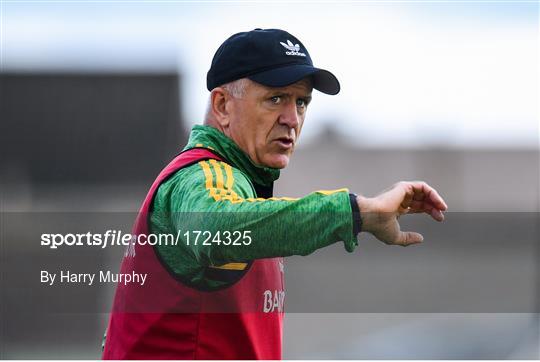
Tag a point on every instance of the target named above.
point(407, 238)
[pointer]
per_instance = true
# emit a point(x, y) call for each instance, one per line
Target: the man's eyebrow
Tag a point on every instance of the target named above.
point(274, 91)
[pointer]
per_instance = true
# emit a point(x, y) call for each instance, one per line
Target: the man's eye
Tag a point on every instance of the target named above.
point(301, 102)
point(276, 99)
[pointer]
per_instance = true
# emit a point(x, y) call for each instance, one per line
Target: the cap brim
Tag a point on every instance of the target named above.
point(323, 80)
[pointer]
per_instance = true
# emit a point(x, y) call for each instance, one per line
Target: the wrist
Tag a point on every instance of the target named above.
point(367, 206)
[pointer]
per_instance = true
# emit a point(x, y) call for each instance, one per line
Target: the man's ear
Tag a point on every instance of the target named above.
point(218, 104)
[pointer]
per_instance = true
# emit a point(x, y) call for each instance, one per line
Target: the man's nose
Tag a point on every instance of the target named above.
point(289, 115)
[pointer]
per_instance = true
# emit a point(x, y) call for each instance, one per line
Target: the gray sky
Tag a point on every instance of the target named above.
point(413, 74)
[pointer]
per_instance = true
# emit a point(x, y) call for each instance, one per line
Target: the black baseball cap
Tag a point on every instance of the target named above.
point(271, 57)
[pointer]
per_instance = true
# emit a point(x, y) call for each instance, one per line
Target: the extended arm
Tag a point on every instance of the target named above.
point(213, 196)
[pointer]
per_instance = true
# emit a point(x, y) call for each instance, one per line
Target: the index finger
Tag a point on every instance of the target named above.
point(431, 193)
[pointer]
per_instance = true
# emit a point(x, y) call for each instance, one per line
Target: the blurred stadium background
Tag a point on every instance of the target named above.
point(96, 97)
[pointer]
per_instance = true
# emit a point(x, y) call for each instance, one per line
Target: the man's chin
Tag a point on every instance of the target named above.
point(277, 161)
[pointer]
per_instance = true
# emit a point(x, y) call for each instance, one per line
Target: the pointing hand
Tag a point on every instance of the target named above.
point(380, 214)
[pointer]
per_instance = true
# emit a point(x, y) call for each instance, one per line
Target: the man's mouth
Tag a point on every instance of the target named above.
point(285, 142)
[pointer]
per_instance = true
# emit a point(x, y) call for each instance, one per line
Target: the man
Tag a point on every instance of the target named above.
point(219, 292)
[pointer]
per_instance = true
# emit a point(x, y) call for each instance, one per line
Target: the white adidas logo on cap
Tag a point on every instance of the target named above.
point(293, 49)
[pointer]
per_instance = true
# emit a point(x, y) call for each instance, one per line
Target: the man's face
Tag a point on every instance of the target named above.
point(266, 122)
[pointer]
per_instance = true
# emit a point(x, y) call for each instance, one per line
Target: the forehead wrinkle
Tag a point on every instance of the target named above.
point(305, 82)
point(306, 89)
